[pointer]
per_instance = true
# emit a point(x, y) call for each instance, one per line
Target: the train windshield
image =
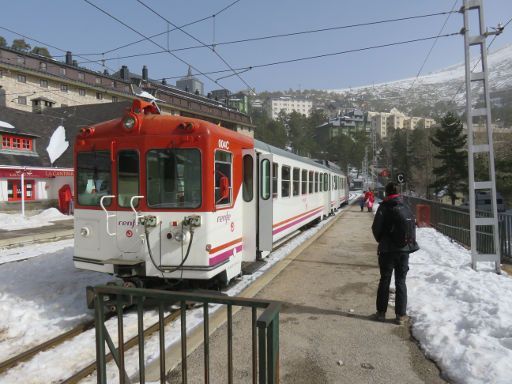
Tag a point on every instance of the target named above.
point(174, 178)
point(93, 177)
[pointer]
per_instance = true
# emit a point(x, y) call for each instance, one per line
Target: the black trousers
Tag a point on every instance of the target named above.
point(399, 262)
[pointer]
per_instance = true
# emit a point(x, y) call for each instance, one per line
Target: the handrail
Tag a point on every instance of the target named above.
point(109, 215)
point(133, 208)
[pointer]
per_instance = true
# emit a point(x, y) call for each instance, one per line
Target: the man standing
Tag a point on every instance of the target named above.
point(395, 230)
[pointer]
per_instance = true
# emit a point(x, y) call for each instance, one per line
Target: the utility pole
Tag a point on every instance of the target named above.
point(478, 105)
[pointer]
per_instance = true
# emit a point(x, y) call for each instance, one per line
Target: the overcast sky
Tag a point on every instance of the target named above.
point(77, 26)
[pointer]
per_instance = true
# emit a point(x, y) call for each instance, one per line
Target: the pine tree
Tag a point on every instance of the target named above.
point(3, 43)
point(452, 172)
point(20, 44)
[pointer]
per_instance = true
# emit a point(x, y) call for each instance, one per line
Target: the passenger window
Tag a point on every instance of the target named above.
point(304, 182)
point(311, 174)
point(127, 177)
point(223, 186)
point(285, 181)
point(316, 181)
point(321, 182)
point(275, 172)
point(296, 181)
point(265, 179)
point(326, 182)
point(248, 184)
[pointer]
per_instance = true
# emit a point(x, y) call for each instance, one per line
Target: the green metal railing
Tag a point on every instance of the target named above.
point(265, 331)
point(453, 221)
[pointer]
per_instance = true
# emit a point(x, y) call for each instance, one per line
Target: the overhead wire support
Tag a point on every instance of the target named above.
point(199, 41)
point(148, 39)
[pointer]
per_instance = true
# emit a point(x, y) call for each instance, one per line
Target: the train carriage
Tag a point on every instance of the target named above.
point(160, 196)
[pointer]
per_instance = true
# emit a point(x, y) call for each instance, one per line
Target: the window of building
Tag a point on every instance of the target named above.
point(42, 66)
point(223, 187)
point(62, 71)
point(304, 182)
point(275, 171)
point(285, 181)
point(20, 60)
point(22, 100)
point(16, 142)
point(81, 92)
point(1, 73)
point(64, 87)
point(296, 181)
point(311, 181)
point(115, 99)
point(247, 186)
point(81, 76)
point(99, 95)
point(97, 80)
point(14, 190)
point(64, 105)
point(22, 79)
point(43, 83)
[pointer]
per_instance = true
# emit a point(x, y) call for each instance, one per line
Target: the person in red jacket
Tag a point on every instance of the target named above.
point(369, 198)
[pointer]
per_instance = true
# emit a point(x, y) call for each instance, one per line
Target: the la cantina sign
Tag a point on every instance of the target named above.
point(40, 173)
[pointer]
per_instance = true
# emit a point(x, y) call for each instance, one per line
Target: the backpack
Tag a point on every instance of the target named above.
point(403, 227)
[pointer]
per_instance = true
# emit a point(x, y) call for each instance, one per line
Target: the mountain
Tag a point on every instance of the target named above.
point(446, 86)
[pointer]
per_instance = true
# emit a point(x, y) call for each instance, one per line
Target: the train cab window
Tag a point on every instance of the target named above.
point(275, 172)
point(285, 181)
point(304, 182)
point(173, 178)
point(265, 179)
point(326, 182)
point(223, 185)
point(248, 184)
point(93, 177)
point(296, 181)
point(127, 178)
point(316, 181)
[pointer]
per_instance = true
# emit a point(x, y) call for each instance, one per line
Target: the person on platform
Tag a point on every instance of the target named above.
point(394, 229)
point(369, 198)
point(362, 200)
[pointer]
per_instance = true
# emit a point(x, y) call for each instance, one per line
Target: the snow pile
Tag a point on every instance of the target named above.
point(58, 144)
point(4, 124)
point(15, 221)
point(461, 317)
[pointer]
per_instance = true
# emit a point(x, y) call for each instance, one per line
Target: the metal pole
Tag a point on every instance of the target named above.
point(23, 193)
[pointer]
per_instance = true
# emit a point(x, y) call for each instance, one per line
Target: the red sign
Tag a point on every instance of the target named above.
point(384, 173)
point(35, 173)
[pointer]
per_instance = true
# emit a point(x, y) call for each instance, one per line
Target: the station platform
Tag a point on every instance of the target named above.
point(61, 229)
point(328, 292)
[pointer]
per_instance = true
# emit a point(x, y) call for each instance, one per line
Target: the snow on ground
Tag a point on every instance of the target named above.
point(462, 318)
point(15, 221)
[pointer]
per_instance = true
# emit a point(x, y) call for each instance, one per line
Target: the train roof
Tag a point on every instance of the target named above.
point(281, 152)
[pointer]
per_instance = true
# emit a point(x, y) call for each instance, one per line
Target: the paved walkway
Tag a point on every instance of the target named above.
point(326, 335)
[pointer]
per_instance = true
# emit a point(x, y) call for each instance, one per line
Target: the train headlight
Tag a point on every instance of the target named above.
point(85, 232)
point(129, 122)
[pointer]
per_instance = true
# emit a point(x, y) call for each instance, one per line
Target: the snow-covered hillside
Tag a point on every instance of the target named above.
point(444, 85)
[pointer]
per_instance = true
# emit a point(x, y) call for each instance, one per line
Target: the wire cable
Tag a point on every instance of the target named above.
point(153, 42)
point(235, 73)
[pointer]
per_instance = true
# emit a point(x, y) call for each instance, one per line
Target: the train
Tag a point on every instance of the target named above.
point(178, 198)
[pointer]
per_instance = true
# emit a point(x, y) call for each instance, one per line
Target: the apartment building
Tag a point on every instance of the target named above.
point(273, 106)
point(384, 122)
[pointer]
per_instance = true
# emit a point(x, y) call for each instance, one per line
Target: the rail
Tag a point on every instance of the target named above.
point(453, 221)
point(265, 331)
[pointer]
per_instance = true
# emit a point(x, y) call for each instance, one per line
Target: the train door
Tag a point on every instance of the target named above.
point(249, 194)
point(128, 233)
point(265, 203)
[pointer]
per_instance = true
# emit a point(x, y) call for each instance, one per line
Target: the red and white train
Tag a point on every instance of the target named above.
point(160, 196)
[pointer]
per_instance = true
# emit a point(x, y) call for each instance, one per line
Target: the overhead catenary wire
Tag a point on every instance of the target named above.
point(148, 39)
point(235, 73)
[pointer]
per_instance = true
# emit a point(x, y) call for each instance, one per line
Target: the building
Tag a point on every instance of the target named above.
point(346, 122)
point(190, 84)
point(273, 106)
point(35, 83)
point(384, 122)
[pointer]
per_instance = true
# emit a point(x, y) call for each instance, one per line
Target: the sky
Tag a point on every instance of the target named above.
point(460, 317)
point(81, 28)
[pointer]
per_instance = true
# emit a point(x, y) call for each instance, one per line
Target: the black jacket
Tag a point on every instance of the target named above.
point(382, 225)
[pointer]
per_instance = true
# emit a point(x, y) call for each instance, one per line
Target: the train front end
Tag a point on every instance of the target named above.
point(148, 189)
